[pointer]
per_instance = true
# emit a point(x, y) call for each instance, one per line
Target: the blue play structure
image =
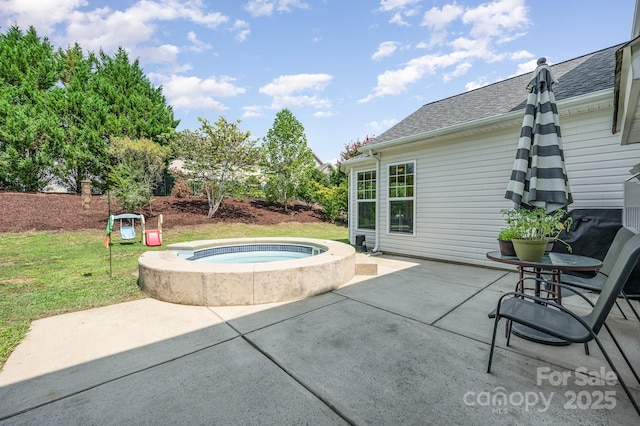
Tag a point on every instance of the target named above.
point(127, 225)
point(126, 222)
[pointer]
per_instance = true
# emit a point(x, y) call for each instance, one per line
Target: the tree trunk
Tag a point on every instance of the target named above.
point(214, 204)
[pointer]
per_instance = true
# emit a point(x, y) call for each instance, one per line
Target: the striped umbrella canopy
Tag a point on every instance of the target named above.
point(539, 176)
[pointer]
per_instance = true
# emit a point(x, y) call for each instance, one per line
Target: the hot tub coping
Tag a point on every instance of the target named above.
point(165, 276)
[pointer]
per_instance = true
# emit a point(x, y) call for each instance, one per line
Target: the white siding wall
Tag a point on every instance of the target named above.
point(461, 183)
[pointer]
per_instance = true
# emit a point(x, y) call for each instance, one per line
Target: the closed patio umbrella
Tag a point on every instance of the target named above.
point(539, 177)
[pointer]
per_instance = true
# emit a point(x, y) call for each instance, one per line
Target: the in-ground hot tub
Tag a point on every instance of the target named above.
point(183, 274)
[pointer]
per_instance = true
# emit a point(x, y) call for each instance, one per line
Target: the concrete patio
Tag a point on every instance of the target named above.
point(408, 346)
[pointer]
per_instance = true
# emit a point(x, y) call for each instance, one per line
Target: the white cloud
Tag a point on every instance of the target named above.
point(481, 82)
point(267, 7)
point(487, 25)
point(521, 54)
point(392, 5)
point(379, 127)
point(106, 29)
point(195, 92)
point(525, 67)
point(495, 18)
point(399, 9)
point(461, 69)
point(288, 84)
point(323, 114)
point(396, 81)
point(522, 68)
point(242, 29)
point(386, 48)
point(315, 102)
point(196, 44)
point(42, 15)
point(166, 53)
point(287, 90)
point(259, 7)
point(438, 19)
point(252, 111)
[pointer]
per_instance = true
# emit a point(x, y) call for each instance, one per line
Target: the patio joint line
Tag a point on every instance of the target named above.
point(241, 334)
point(320, 398)
point(469, 298)
point(247, 338)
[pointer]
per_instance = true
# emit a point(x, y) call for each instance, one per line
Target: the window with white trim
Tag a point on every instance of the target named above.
point(366, 196)
point(402, 198)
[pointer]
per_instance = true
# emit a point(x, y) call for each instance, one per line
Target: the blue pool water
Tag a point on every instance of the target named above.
point(252, 257)
point(253, 253)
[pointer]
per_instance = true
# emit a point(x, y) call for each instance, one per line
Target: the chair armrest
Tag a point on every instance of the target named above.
point(542, 301)
point(561, 285)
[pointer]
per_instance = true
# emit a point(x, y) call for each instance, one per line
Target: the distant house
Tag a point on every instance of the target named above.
point(325, 168)
point(433, 185)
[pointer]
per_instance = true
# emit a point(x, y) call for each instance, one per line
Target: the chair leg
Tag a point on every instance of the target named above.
point(624, 355)
point(493, 343)
point(630, 305)
point(586, 348)
point(621, 311)
point(615, 370)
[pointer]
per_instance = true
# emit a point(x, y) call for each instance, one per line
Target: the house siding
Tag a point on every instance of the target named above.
point(461, 183)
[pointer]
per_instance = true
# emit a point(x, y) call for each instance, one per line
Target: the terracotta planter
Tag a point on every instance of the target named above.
point(529, 250)
point(506, 248)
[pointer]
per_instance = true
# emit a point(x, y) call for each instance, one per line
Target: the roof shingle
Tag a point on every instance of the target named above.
point(585, 74)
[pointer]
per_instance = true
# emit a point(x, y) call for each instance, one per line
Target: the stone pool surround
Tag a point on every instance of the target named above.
point(165, 276)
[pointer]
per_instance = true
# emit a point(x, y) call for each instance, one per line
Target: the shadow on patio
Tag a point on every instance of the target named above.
point(408, 346)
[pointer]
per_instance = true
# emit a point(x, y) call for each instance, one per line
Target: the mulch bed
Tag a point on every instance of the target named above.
point(21, 212)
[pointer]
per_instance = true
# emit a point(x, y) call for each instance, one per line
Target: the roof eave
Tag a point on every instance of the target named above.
point(569, 106)
point(627, 91)
point(356, 161)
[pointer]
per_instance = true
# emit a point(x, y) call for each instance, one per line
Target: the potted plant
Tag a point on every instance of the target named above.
point(510, 232)
point(504, 240)
point(534, 229)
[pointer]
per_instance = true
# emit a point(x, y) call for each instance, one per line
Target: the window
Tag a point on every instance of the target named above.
point(366, 189)
point(401, 197)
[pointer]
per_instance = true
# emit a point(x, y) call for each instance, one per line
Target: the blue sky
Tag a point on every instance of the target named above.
point(347, 69)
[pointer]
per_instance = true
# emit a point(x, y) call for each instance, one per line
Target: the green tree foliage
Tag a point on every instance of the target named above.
point(219, 156)
point(137, 167)
point(29, 130)
point(59, 110)
point(135, 108)
point(334, 197)
point(82, 115)
point(334, 200)
point(287, 159)
point(308, 190)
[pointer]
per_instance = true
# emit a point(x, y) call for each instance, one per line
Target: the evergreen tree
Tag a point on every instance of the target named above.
point(59, 110)
point(82, 114)
point(135, 108)
point(29, 131)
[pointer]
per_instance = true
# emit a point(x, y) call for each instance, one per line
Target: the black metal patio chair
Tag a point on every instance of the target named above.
point(596, 283)
point(556, 320)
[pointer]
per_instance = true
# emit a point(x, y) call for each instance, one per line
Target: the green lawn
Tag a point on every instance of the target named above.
point(49, 273)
